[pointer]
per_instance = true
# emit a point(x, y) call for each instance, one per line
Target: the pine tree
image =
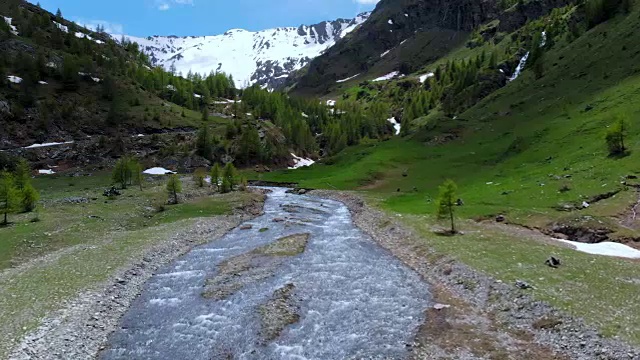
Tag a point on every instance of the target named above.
point(9, 197)
point(58, 15)
point(22, 176)
point(228, 178)
point(174, 187)
point(447, 202)
point(215, 177)
point(27, 194)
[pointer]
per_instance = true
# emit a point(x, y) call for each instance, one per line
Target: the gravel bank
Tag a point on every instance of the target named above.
point(80, 329)
point(482, 317)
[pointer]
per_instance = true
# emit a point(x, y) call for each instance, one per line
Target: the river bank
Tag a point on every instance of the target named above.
point(479, 316)
point(80, 328)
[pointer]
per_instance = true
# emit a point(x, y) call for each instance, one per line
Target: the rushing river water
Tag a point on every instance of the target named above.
point(357, 301)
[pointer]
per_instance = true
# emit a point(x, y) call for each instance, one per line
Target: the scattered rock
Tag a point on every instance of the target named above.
point(111, 192)
point(246, 227)
point(520, 284)
point(277, 220)
point(441, 306)
point(500, 218)
point(553, 262)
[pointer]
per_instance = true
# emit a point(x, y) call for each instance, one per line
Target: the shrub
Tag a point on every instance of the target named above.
point(447, 202)
point(198, 177)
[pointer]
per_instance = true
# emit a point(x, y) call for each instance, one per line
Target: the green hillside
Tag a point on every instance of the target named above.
point(530, 148)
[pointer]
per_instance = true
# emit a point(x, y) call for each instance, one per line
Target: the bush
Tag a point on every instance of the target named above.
point(198, 177)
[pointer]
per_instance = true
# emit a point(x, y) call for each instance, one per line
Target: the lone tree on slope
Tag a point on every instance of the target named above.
point(615, 137)
point(174, 187)
point(447, 202)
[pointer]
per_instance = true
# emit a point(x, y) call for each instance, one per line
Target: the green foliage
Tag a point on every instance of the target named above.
point(616, 135)
point(215, 176)
point(126, 171)
point(9, 196)
point(250, 146)
point(22, 174)
point(206, 143)
point(70, 70)
point(198, 177)
point(228, 178)
point(29, 196)
point(599, 11)
point(174, 187)
point(447, 202)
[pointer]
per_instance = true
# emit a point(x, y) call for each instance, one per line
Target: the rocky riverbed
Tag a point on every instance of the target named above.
point(478, 317)
point(80, 329)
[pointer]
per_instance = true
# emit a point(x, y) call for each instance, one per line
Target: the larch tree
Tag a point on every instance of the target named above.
point(174, 187)
point(447, 203)
point(9, 197)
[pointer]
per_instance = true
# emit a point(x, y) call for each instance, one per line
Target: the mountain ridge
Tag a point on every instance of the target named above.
point(263, 57)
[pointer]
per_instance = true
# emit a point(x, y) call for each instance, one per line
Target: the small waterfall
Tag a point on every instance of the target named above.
point(520, 67)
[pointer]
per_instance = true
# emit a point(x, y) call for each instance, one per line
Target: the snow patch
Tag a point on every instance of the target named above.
point(386, 52)
point(424, 77)
point(389, 76)
point(35, 146)
point(46, 172)
point(396, 125)
point(605, 249)
point(331, 103)
point(14, 79)
point(197, 96)
point(390, 22)
point(158, 171)
point(64, 28)
point(43, 82)
point(300, 162)
point(349, 78)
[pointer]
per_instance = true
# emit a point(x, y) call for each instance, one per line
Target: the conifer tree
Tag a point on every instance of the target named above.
point(215, 177)
point(174, 187)
point(9, 197)
point(447, 203)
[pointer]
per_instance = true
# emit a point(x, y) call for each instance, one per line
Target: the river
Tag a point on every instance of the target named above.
point(354, 299)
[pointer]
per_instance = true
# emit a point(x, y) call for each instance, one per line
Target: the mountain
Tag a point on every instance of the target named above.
point(265, 57)
point(403, 35)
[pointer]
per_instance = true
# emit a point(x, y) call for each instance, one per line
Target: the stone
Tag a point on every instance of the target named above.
point(246, 227)
point(520, 284)
point(500, 218)
point(441, 306)
point(552, 262)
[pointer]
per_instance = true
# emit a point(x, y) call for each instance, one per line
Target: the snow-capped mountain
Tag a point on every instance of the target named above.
point(265, 57)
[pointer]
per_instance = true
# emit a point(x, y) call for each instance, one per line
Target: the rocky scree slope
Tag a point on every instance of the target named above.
point(265, 57)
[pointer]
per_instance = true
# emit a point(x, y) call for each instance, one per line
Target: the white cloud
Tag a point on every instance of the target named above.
point(109, 27)
point(164, 5)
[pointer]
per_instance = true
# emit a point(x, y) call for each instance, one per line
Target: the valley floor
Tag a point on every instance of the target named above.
point(584, 309)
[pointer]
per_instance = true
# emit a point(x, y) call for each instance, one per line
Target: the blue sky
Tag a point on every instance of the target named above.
point(202, 17)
